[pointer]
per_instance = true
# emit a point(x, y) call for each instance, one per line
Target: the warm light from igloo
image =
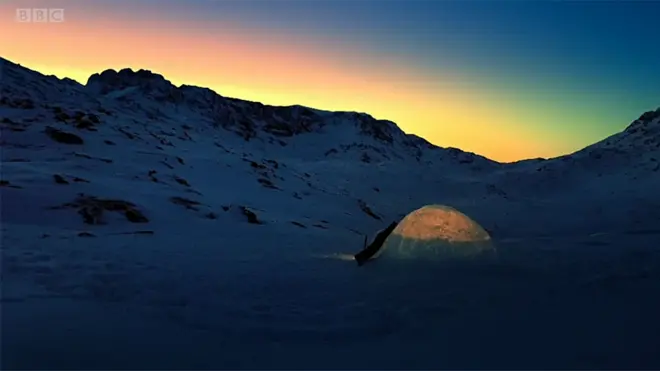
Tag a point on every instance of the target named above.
point(437, 232)
point(440, 222)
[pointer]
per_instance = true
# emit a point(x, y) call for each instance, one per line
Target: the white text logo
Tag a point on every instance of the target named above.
point(39, 15)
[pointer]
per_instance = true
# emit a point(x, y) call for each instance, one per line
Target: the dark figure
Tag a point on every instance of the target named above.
point(371, 250)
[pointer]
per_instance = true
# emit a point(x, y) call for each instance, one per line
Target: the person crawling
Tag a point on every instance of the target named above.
point(376, 244)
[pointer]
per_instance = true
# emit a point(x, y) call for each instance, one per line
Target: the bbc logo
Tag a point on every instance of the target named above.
point(44, 15)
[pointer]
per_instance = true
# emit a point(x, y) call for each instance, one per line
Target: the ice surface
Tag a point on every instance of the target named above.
point(252, 211)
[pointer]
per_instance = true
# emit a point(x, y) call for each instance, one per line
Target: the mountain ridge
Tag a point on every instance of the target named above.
point(128, 127)
point(127, 81)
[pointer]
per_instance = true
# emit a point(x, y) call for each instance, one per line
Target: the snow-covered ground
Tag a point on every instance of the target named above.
point(151, 226)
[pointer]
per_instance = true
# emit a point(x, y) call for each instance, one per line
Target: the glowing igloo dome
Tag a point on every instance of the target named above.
point(437, 232)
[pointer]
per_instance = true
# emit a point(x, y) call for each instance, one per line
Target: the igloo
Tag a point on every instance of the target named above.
point(435, 232)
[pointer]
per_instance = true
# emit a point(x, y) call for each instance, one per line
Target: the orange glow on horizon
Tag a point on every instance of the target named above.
point(273, 69)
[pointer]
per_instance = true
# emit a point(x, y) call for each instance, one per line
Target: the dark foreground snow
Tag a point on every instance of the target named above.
point(555, 303)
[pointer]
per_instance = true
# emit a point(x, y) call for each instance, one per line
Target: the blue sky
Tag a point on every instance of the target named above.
point(549, 77)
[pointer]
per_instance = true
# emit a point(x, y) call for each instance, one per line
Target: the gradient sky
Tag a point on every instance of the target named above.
point(506, 79)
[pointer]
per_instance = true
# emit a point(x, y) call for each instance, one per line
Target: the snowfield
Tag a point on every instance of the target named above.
point(149, 226)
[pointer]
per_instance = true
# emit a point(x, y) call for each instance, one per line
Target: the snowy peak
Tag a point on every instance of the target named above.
point(247, 118)
point(641, 137)
point(628, 158)
point(252, 120)
point(648, 124)
point(129, 85)
point(110, 80)
point(21, 87)
point(382, 130)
